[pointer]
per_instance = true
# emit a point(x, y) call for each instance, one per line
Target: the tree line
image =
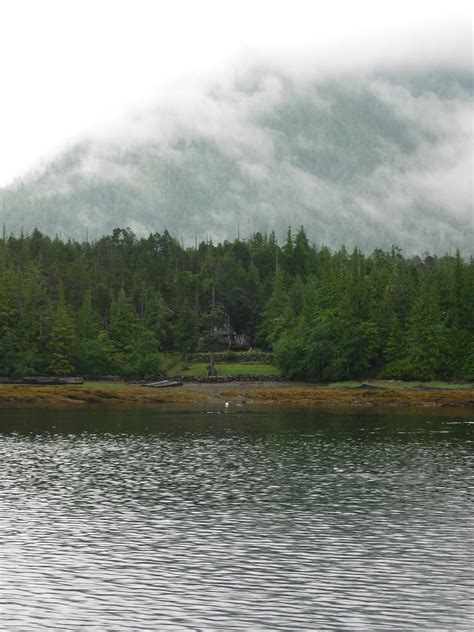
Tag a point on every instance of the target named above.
point(116, 305)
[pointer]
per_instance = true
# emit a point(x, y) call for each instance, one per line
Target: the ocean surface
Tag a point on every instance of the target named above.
point(236, 519)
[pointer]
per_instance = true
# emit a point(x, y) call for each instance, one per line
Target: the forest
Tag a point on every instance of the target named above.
point(118, 304)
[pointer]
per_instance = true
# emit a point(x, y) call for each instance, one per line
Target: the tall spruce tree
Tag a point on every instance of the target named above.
point(327, 315)
point(63, 340)
point(427, 341)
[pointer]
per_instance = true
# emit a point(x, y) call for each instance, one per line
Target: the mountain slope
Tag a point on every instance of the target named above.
point(368, 161)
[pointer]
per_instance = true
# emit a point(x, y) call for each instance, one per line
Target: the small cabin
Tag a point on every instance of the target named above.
point(239, 342)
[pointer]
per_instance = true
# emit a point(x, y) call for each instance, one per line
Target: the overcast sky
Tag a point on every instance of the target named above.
point(73, 68)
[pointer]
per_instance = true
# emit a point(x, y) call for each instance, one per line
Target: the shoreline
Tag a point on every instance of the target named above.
point(112, 394)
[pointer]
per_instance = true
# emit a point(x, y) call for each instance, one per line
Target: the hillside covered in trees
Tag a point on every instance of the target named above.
point(368, 159)
point(116, 305)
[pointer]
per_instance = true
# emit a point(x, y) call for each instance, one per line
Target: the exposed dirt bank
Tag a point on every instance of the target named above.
point(237, 393)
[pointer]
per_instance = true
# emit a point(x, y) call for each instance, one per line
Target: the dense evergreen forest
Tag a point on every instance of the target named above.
point(116, 305)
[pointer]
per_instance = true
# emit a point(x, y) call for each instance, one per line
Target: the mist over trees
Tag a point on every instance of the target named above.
point(359, 159)
point(115, 305)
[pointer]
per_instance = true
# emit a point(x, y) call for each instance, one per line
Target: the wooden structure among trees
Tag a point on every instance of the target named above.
point(239, 342)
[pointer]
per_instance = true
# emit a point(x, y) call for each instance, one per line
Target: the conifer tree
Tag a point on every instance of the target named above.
point(277, 312)
point(158, 318)
point(327, 315)
point(88, 325)
point(186, 330)
point(395, 350)
point(63, 339)
point(426, 337)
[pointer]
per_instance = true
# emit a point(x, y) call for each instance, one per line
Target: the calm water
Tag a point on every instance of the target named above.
point(246, 520)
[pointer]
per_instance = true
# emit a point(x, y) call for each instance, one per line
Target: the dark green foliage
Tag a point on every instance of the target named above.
point(186, 330)
point(427, 340)
point(290, 354)
point(95, 356)
point(134, 347)
point(114, 305)
point(468, 366)
point(62, 343)
point(356, 316)
point(213, 323)
point(395, 350)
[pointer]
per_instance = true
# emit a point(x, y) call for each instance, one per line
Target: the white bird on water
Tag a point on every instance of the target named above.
point(226, 404)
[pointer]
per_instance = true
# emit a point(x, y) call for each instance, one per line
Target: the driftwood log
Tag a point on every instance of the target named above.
point(160, 384)
point(42, 380)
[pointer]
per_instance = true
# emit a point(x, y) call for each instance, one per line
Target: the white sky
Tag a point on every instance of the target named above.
point(71, 68)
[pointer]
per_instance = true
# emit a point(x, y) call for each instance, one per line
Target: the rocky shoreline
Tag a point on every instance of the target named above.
point(276, 393)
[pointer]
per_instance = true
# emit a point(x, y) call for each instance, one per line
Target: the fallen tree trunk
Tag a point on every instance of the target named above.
point(161, 384)
point(42, 380)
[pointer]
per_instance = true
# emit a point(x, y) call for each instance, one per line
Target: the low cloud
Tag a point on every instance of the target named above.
point(361, 158)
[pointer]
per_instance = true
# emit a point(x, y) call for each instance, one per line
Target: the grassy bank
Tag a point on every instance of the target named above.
point(173, 364)
point(231, 369)
point(342, 394)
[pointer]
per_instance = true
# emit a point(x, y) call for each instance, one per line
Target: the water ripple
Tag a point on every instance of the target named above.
point(282, 522)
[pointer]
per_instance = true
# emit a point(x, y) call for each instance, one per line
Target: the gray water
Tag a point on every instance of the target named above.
point(247, 520)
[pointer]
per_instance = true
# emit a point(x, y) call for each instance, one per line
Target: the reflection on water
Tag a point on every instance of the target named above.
point(272, 520)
